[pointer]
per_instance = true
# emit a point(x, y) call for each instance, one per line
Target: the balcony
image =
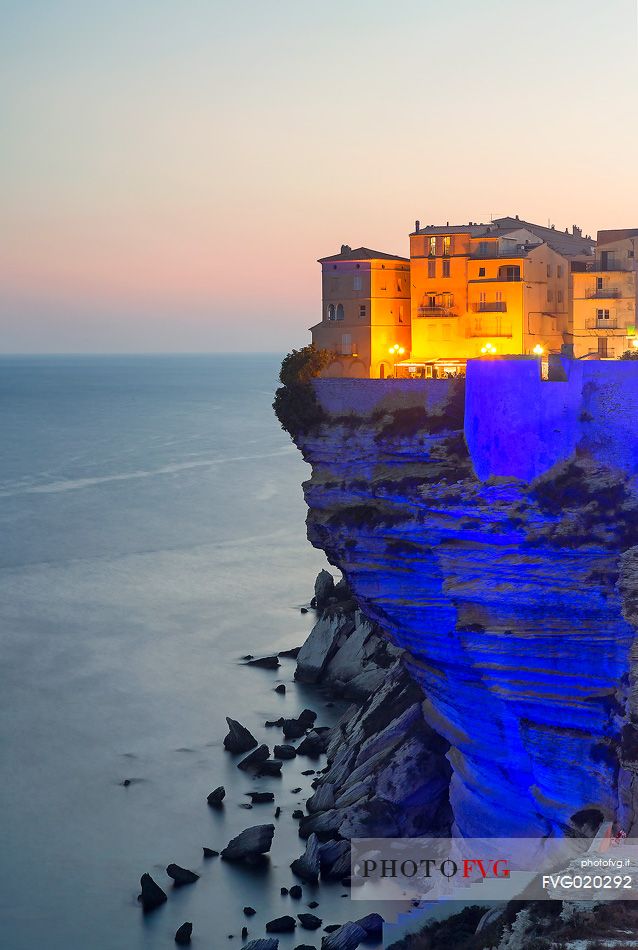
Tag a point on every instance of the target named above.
point(600, 265)
point(604, 293)
point(435, 312)
point(490, 306)
point(599, 323)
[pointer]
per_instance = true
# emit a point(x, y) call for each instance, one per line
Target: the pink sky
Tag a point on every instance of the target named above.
point(171, 172)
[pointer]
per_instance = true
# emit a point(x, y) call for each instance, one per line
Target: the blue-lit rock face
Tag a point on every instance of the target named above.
point(516, 601)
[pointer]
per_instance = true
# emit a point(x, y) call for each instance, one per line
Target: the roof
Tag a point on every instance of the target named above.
point(606, 237)
point(567, 243)
point(361, 254)
point(564, 242)
point(475, 230)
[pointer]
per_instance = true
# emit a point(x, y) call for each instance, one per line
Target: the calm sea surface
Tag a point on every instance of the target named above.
point(152, 529)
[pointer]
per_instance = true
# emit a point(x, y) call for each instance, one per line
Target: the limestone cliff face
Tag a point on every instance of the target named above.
point(515, 601)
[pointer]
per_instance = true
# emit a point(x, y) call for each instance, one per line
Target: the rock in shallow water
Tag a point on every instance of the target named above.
point(181, 876)
point(265, 662)
point(281, 925)
point(309, 921)
point(266, 943)
point(255, 758)
point(152, 895)
point(307, 866)
point(324, 588)
point(210, 853)
point(250, 843)
point(346, 937)
point(239, 739)
point(216, 797)
point(258, 798)
point(183, 934)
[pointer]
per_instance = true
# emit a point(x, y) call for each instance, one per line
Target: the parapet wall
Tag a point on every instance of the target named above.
point(517, 424)
point(362, 397)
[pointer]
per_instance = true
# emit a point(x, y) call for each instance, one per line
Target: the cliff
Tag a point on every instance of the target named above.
point(489, 529)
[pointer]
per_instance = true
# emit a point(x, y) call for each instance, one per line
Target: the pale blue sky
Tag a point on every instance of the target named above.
point(170, 171)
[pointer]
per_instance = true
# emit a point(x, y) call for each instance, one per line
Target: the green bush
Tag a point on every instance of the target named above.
point(295, 403)
point(300, 366)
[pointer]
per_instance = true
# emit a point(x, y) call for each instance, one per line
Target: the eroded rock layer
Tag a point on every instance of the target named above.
point(505, 595)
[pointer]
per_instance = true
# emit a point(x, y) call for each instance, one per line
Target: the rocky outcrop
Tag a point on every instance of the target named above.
point(250, 844)
point(239, 739)
point(152, 895)
point(503, 595)
point(387, 772)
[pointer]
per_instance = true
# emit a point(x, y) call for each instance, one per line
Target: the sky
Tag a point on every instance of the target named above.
point(171, 170)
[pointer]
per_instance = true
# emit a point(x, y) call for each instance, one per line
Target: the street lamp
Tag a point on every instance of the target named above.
point(488, 350)
point(538, 350)
point(396, 351)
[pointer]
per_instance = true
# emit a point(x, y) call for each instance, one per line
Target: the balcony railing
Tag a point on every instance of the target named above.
point(490, 306)
point(435, 312)
point(598, 264)
point(603, 293)
point(599, 323)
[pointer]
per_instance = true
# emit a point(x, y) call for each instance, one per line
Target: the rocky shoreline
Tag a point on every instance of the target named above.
point(380, 770)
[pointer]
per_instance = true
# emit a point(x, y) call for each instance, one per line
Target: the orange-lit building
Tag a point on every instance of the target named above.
point(503, 286)
point(604, 294)
point(365, 311)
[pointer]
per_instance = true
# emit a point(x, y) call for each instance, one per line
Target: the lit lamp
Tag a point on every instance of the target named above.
point(488, 350)
point(634, 343)
point(396, 351)
point(538, 350)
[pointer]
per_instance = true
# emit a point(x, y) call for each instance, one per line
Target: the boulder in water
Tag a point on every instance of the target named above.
point(152, 895)
point(239, 739)
point(250, 844)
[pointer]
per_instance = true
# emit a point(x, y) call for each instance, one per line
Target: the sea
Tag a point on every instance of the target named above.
point(152, 528)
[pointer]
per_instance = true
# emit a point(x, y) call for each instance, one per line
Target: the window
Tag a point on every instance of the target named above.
point(550, 295)
point(599, 283)
point(602, 347)
point(446, 268)
point(447, 300)
point(331, 311)
point(356, 283)
point(431, 268)
point(559, 270)
point(363, 311)
point(482, 299)
point(346, 344)
point(549, 270)
point(340, 313)
point(447, 246)
point(559, 296)
point(499, 296)
point(481, 272)
point(432, 301)
point(509, 272)
point(432, 247)
point(602, 315)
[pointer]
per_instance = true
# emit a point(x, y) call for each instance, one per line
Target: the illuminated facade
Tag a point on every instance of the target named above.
point(505, 288)
point(604, 297)
point(501, 288)
point(365, 312)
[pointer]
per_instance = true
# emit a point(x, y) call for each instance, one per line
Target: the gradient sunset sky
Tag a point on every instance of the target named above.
point(171, 169)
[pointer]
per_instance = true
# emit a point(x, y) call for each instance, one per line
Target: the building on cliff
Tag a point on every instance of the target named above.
point(503, 284)
point(365, 313)
point(505, 288)
point(603, 300)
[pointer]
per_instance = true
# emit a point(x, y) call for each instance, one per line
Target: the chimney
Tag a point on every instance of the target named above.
point(577, 232)
point(417, 225)
point(345, 248)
